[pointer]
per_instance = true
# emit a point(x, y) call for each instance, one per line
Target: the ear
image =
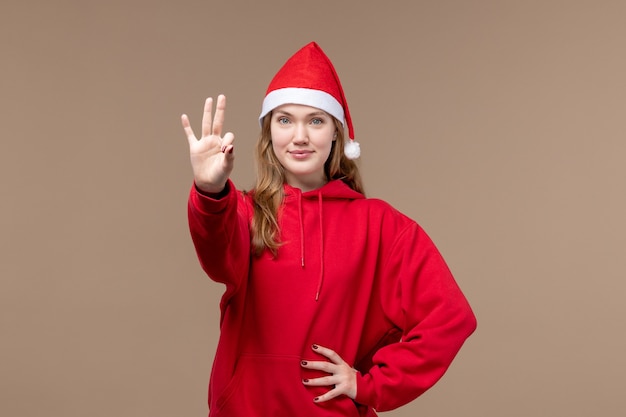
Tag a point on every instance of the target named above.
point(335, 136)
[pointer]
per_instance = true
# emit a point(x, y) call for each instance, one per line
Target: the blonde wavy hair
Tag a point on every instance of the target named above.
point(268, 194)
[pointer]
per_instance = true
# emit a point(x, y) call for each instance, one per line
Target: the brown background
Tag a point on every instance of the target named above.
point(497, 125)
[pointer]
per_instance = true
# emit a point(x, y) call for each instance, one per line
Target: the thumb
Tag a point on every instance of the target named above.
point(227, 140)
point(228, 147)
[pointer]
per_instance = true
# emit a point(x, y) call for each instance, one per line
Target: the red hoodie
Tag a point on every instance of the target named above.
point(354, 275)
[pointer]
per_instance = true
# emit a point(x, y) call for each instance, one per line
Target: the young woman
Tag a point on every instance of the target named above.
point(335, 304)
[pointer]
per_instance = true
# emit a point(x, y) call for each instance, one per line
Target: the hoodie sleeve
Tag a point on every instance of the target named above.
point(420, 296)
point(220, 233)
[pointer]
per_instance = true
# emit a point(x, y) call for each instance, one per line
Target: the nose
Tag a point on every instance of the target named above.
point(300, 135)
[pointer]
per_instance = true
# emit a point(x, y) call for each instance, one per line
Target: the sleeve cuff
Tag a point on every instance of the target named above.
point(212, 203)
point(364, 393)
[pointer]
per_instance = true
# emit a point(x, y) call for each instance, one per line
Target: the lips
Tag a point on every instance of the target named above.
point(300, 153)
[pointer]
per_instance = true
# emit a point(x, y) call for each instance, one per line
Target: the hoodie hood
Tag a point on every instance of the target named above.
point(335, 189)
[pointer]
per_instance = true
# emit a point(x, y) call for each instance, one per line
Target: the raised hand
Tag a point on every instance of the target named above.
point(341, 378)
point(212, 157)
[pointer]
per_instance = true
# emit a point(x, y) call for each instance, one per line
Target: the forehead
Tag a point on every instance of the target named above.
point(299, 110)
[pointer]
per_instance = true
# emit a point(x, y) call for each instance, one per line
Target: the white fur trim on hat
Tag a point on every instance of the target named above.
point(304, 96)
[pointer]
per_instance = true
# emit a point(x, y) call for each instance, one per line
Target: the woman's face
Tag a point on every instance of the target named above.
point(302, 138)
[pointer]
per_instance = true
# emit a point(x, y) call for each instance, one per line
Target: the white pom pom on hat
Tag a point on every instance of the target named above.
point(309, 78)
point(352, 149)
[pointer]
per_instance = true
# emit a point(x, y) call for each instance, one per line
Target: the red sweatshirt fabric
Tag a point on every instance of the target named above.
point(354, 275)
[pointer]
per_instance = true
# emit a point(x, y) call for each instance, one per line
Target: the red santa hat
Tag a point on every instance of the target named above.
point(309, 78)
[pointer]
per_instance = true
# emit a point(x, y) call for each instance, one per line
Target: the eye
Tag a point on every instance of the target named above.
point(317, 121)
point(282, 120)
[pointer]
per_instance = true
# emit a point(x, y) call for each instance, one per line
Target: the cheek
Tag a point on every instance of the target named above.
point(279, 138)
point(328, 147)
point(325, 141)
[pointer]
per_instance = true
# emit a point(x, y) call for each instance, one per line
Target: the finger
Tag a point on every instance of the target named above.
point(329, 353)
point(187, 128)
point(218, 121)
point(206, 117)
point(228, 151)
point(329, 368)
point(325, 381)
point(333, 393)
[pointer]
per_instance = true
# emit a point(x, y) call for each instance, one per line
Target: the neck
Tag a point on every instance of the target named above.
point(306, 184)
